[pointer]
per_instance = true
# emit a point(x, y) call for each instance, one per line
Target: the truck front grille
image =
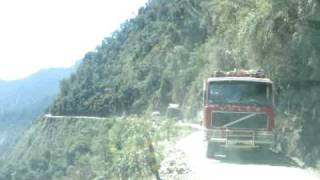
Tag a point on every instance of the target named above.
point(243, 120)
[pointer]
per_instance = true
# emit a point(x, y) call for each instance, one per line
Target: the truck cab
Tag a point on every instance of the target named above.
point(238, 111)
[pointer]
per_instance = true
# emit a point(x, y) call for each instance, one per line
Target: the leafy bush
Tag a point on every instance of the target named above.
point(113, 148)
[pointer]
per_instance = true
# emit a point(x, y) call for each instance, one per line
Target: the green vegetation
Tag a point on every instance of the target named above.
point(161, 57)
point(23, 100)
point(110, 148)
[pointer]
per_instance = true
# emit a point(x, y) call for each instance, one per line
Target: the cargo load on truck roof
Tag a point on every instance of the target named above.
point(240, 73)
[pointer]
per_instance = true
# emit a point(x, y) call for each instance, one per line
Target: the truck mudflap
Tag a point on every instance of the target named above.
point(240, 138)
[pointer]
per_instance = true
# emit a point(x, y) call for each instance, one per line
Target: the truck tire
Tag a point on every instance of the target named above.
point(212, 149)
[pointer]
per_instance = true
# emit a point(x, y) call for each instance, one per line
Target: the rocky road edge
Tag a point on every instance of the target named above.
point(175, 166)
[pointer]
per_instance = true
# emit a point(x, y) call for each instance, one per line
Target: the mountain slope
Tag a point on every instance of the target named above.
point(134, 69)
point(68, 148)
point(23, 100)
point(37, 89)
point(163, 55)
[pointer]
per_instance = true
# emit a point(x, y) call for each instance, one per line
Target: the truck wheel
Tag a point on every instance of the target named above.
point(212, 148)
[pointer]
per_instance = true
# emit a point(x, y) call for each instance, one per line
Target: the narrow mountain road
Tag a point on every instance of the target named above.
point(187, 159)
point(237, 165)
point(49, 116)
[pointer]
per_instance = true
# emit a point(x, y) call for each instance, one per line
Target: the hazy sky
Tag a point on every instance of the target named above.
point(36, 34)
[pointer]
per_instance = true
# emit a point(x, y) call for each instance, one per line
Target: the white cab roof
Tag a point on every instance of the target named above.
point(246, 79)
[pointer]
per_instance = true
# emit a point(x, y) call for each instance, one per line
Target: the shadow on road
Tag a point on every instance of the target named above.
point(256, 158)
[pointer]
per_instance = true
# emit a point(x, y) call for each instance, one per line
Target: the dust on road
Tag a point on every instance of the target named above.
point(236, 165)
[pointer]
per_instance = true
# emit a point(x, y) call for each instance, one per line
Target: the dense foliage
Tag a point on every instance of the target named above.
point(161, 57)
point(163, 54)
point(81, 149)
point(16, 97)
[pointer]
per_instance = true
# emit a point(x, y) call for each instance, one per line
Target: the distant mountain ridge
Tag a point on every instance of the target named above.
point(23, 100)
point(162, 56)
point(36, 89)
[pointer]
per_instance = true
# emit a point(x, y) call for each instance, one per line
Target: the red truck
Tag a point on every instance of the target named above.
point(238, 111)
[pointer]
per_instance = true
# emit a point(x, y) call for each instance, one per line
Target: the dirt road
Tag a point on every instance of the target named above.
point(237, 165)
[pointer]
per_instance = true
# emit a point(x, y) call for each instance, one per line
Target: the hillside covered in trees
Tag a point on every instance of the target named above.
point(163, 55)
point(83, 149)
point(21, 101)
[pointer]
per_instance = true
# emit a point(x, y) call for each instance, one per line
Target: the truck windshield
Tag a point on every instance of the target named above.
point(237, 92)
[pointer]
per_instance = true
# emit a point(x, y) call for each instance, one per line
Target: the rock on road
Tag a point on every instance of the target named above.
point(238, 164)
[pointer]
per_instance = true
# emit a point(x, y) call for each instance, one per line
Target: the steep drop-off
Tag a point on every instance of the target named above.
point(163, 54)
point(21, 101)
point(88, 148)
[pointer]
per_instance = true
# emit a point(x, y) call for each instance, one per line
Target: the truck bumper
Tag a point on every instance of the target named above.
point(240, 138)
